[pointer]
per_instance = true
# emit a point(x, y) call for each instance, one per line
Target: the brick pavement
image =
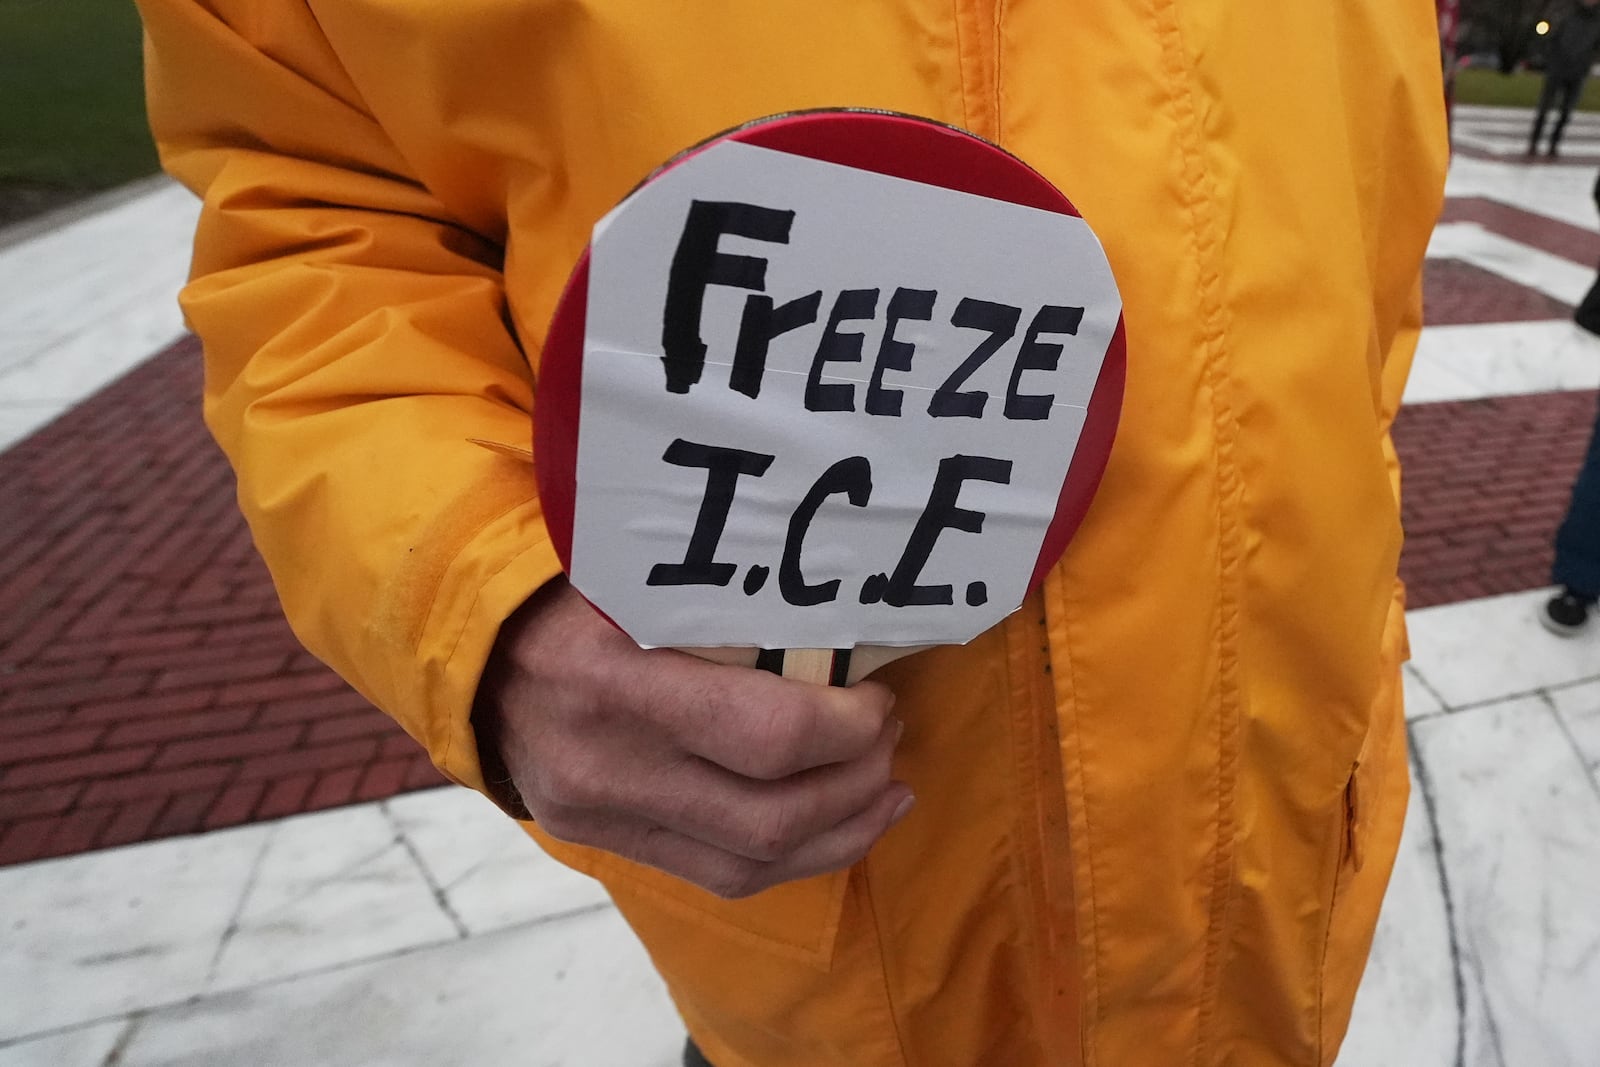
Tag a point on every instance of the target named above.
point(149, 686)
point(148, 683)
point(1528, 227)
point(1456, 293)
point(1485, 484)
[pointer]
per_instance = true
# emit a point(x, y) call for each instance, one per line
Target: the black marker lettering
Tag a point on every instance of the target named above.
point(1037, 355)
point(760, 324)
point(1000, 321)
point(723, 467)
point(941, 514)
point(697, 264)
point(837, 347)
point(893, 353)
point(852, 477)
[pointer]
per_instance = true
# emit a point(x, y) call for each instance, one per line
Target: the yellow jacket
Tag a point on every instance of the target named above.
point(1159, 805)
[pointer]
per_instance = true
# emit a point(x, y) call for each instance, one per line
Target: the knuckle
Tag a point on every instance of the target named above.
point(736, 881)
point(776, 832)
point(779, 735)
point(565, 785)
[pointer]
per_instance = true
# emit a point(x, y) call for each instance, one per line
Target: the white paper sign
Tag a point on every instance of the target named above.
point(823, 407)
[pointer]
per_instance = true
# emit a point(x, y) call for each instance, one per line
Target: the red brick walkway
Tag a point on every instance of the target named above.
point(1486, 484)
point(148, 683)
point(1530, 228)
point(149, 686)
point(1455, 293)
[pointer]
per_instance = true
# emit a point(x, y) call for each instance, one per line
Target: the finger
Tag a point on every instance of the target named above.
point(843, 846)
point(764, 820)
point(731, 876)
point(712, 869)
point(754, 723)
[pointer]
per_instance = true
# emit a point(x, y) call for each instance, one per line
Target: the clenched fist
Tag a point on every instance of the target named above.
point(728, 777)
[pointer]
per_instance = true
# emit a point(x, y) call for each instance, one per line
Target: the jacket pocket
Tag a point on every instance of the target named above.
point(798, 921)
point(1370, 790)
point(1374, 813)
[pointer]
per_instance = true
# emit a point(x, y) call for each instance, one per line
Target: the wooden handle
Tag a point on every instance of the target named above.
point(814, 665)
point(819, 666)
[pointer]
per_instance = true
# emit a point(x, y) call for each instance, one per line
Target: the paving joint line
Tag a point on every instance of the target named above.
point(439, 896)
point(1442, 880)
point(1572, 742)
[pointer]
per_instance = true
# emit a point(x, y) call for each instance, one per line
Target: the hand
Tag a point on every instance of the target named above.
point(728, 777)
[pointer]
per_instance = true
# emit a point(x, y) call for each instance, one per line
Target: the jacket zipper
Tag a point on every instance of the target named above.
point(977, 26)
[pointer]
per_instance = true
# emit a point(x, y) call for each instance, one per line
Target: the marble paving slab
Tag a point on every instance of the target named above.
point(1420, 700)
point(490, 874)
point(578, 992)
point(1406, 1011)
point(106, 933)
point(85, 1046)
point(326, 889)
point(1483, 650)
point(1513, 142)
point(57, 279)
point(1555, 191)
point(88, 301)
point(1502, 359)
point(1535, 268)
point(1519, 832)
point(1578, 708)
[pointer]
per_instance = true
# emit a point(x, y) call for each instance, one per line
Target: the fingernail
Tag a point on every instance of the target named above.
point(903, 810)
point(899, 730)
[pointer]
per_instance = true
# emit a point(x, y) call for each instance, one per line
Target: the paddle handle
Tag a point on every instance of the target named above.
point(819, 666)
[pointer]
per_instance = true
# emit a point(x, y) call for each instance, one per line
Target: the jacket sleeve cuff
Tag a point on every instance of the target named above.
point(505, 564)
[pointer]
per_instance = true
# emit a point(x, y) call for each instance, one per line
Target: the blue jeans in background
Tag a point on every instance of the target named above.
point(1578, 540)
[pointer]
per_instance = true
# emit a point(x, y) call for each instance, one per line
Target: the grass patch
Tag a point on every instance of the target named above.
point(1482, 85)
point(71, 97)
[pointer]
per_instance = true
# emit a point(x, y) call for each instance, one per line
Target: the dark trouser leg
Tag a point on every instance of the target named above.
point(1578, 541)
point(1547, 97)
point(1587, 313)
point(1568, 91)
point(692, 1056)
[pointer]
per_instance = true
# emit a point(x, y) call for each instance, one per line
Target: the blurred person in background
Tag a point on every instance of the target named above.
point(1577, 568)
point(1577, 565)
point(1569, 53)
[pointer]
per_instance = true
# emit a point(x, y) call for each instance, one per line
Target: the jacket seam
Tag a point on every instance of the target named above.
point(961, 62)
point(999, 14)
point(1023, 737)
point(871, 909)
point(1182, 108)
point(1089, 976)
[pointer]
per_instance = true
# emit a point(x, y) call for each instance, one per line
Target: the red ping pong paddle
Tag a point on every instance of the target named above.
point(806, 365)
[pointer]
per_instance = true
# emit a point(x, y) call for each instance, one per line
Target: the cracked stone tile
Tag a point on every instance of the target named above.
point(576, 991)
point(491, 874)
point(1406, 1010)
point(329, 888)
point(1519, 829)
point(86, 1046)
point(107, 933)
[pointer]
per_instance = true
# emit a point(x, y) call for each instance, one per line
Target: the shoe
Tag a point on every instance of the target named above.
point(1566, 614)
